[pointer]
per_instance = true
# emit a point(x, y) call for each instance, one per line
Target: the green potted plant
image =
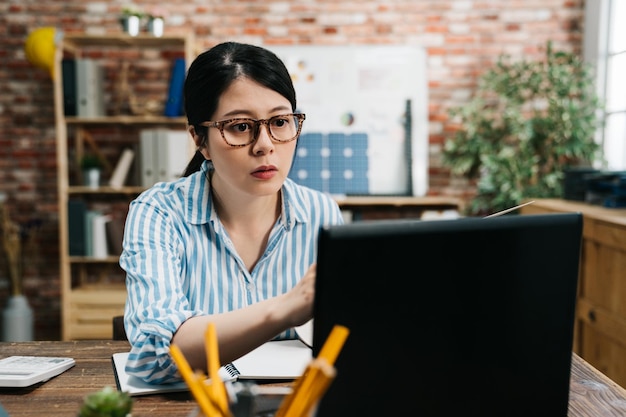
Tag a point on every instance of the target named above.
point(528, 122)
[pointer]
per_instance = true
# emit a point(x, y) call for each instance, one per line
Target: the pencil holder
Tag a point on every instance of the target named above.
point(252, 400)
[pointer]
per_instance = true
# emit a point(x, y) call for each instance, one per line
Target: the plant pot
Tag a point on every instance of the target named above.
point(17, 320)
point(155, 26)
point(130, 25)
point(91, 177)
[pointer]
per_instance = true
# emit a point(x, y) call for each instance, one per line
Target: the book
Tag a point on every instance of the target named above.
point(76, 213)
point(174, 102)
point(273, 361)
point(90, 216)
point(118, 178)
point(173, 153)
point(100, 245)
point(134, 386)
point(276, 360)
point(147, 157)
point(115, 235)
point(68, 68)
point(89, 88)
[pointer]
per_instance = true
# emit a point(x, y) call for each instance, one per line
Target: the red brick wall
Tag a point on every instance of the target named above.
point(462, 37)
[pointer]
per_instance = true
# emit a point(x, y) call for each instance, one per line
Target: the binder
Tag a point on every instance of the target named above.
point(165, 154)
point(115, 235)
point(76, 212)
point(90, 216)
point(147, 160)
point(68, 69)
point(89, 88)
point(99, 234)
point(172, 153)
point(174, 103)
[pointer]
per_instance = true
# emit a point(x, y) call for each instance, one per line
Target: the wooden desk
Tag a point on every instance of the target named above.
point(600, 331)
point(591, 393)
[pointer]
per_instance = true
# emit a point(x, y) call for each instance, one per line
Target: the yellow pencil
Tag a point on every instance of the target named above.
point(334, 343)
point(192, 381)
point(288, 400)
point(213, 408)
point(216, 409)
point(218, 389)
point(320, 376)
point(296, 401)
point(326, 375)
point(293, 400)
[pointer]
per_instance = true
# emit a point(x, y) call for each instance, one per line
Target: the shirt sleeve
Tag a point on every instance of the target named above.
point(156, 305)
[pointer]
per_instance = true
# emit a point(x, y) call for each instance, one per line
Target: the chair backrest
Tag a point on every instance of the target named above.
point(119, 332)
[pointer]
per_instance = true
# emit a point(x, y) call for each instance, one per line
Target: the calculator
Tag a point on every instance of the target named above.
point(23, 371)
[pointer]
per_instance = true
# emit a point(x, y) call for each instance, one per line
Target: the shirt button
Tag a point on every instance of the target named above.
point(250, 286)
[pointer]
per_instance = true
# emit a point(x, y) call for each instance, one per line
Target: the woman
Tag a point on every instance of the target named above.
point(234, 241)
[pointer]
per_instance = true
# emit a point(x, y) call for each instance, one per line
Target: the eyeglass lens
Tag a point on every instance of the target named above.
point(282, 128)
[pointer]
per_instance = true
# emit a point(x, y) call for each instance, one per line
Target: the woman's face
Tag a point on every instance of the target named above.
point(261, 167)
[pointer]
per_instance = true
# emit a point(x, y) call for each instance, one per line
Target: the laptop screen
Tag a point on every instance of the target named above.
point(464, 317)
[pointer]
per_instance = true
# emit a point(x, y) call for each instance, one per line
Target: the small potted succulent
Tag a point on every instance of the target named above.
point(155, 24)
point(107, 402)
point(131, 20)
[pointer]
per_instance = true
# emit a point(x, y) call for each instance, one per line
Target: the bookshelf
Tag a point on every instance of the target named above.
point(92, 288)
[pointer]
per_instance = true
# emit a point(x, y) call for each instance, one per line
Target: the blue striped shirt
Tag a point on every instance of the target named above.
point(180, 263)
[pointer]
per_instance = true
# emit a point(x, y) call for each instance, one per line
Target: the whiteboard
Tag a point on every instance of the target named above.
point(365, 89)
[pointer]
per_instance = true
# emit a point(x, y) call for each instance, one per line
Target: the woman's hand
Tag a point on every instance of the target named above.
point(300, 298)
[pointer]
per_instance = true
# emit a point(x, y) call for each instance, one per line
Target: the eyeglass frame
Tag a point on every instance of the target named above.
point(257, 127)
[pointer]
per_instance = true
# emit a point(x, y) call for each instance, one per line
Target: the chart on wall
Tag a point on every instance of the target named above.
point(366, 128)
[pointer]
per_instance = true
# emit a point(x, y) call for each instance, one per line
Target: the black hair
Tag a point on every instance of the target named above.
point(214, 70)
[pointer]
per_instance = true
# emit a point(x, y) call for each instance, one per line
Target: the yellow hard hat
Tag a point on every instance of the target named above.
point(40, 47)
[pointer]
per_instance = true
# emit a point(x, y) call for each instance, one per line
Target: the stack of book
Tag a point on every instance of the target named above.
point(93, 233)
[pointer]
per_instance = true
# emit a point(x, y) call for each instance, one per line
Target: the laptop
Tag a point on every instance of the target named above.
point(463, 317)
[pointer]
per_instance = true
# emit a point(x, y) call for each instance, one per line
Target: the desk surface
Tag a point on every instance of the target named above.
point(399, 201)
point(592, 394)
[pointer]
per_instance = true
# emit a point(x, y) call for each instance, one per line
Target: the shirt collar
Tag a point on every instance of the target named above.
point(200, 210)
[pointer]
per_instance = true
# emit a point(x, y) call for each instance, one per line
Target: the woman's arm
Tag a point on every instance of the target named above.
point(240, 331)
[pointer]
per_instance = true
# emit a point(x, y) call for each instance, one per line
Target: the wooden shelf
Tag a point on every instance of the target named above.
point(91, 260)
point(92, 289)
point(81, 189)
point(127, 120)
point(122, 40)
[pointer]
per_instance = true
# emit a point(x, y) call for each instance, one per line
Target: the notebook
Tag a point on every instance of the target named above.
point(462, 317)
point(282, 360)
